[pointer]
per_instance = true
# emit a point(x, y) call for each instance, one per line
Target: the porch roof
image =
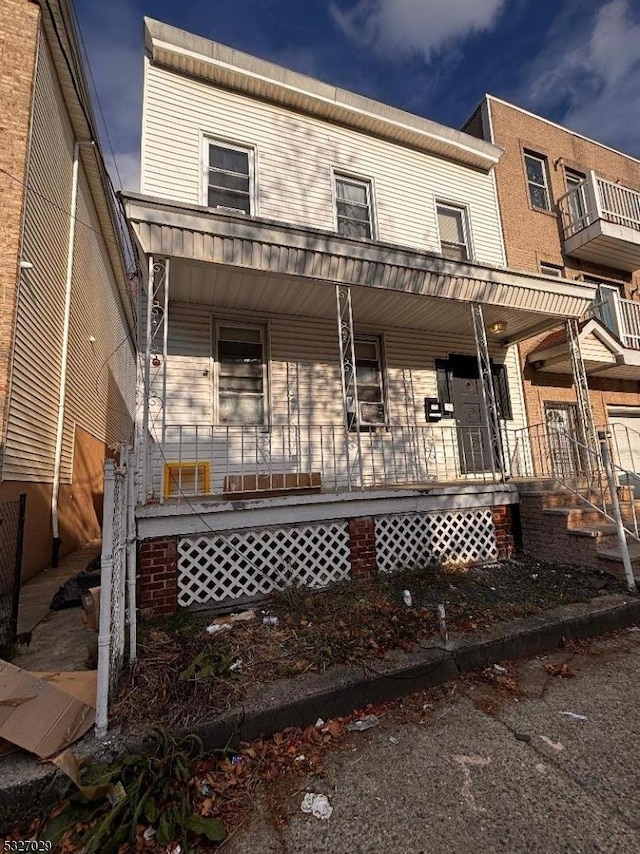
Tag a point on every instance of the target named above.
point(602, 352)
point(527, 302)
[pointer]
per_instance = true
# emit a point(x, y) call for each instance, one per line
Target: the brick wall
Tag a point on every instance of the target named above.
point(503, 523)
point(362, 540)
point(533, 236)
point(157, 576)
point(18, 38)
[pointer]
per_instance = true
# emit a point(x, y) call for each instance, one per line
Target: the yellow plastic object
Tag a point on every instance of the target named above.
point(180, 478)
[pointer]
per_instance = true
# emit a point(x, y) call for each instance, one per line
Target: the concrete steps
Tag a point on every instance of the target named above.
point(560, 526)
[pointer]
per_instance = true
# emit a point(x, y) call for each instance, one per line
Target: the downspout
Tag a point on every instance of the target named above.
point(64, 357)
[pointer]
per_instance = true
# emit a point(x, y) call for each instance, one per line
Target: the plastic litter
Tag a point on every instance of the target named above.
point(317, 806)
point(535, 576)
point(300, 758)
point(394, 740)
point(206, 789)
point(215, 628)
point(499, 668)
point(575, 716)
point(319, 723)
point(236, 759)
point(406, 598)
point(367, 722)
point(268, 620)
point(149, 833)
point(237, 665)
point(633, 629)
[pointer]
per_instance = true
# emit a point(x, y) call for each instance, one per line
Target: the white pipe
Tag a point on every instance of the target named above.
point(57, 460)
point(131, 555)
point(104, 627)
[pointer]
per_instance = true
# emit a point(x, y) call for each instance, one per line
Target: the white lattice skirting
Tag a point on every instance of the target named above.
point(215, 568)
point(458, 536)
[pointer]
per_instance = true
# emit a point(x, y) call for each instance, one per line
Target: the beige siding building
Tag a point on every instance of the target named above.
point(68, 362)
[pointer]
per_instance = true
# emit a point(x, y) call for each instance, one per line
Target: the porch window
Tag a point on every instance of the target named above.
point(577, 200)
point(536, 167)
point(241, 364)
point(452, 225)
point(369, 381)
point(229, 177)
point(353, 207)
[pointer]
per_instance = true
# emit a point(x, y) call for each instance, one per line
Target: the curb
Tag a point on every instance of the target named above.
point(301, 700)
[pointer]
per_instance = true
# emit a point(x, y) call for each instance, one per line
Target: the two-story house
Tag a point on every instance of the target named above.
point(67, 330)
point(328, 330)
point(571, 207)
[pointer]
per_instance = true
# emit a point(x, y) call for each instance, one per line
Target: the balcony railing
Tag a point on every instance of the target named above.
point(621, 316)
point(230, 461)
point(597, 199)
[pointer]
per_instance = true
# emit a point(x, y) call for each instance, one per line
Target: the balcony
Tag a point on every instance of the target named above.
point(601, 223)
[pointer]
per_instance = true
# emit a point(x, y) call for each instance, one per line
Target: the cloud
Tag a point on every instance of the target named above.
point(589, 75)
point(421, 27)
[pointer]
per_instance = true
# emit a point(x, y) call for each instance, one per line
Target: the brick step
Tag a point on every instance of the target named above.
point(577, 517)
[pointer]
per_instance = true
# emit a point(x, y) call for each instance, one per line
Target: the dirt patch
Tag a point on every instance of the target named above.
point(184, 675)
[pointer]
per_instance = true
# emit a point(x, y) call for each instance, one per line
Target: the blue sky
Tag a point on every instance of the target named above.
point(576, 62)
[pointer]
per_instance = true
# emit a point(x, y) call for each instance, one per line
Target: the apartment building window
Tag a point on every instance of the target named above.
point(369, 380)
point(353, 207)
point(606, 307)
point(551, 269)
point(454, 238)
point(537, 181)
point(229, 177)
point(241, 374)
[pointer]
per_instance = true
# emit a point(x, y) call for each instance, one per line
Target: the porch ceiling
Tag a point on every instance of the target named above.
point(224, 287)
point(293, 262)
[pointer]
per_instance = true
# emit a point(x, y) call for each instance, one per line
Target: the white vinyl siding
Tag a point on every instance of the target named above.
point(304, 379)
point(294, 158)
point(101, 374)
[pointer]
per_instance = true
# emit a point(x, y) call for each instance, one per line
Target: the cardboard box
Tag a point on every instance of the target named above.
point(45, 714)
point(91, 608)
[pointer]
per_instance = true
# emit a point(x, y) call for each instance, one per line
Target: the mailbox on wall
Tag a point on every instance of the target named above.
point(432, 409)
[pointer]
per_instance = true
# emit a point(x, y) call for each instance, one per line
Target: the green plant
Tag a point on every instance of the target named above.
point(149, 788)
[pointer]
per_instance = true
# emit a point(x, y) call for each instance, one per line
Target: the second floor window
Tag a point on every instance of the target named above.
point(229, 177)
point(353, 207)
point(536, 166)
point(452, 225)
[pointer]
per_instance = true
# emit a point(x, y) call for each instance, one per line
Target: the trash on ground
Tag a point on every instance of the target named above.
point(300, 758)
point(69, 595)
point(205, 789)
point(574, 715)
point(317, 806)
point(522, 736)
point(535, 576)
point(236, 666)
point(236, 759)
point(406, 598)
point(633, 629)
point(394, 740)
point(90, 601)
point(500, 669)
point(149, 833)
point(319, 723)
point(45, 712)
point(268, 620)
point(367, 722)
point(554, 745)
point(442, 623)
point(215, 628)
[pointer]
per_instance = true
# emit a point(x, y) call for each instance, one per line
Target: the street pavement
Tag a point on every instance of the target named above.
point(453, 777)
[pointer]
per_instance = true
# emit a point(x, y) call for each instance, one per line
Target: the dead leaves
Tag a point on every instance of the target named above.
point(561, 670)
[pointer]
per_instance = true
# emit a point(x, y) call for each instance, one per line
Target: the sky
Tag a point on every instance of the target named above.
point(576, 62)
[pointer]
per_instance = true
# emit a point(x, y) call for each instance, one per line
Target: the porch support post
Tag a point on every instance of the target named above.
point(350, 408)
point(155, 369)
point(488, 391)
point(586, 425)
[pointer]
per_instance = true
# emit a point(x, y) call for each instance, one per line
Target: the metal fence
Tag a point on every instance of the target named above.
point(12, 514)
point(117, 584)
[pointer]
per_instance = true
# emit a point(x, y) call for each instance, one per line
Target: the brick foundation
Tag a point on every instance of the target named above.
point(362, 540)
point(157, 577)
point(503, 523)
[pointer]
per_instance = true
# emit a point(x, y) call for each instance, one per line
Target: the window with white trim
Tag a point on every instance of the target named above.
point(369, 380)
point(536, 166)
point(353, 207)
point(551, 270)
point(240, 354)
point(577, 200)
point(452, 226)
point(229, 177)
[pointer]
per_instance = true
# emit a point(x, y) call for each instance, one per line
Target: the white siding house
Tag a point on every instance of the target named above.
point(328, 327)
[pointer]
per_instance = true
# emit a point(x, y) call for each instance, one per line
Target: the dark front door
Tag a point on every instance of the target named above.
point(473, 436)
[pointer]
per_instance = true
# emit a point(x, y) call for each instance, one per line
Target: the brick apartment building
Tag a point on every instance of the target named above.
point(570, 208)
point(67, 365)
